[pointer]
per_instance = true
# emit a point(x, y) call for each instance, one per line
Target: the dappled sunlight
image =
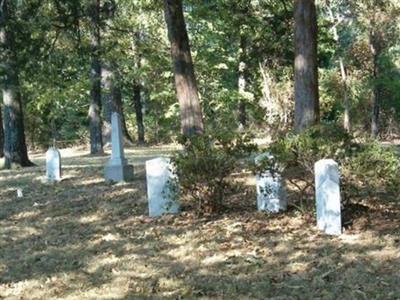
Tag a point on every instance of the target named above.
point(83, 238)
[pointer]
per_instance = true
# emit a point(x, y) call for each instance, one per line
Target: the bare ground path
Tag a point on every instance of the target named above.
point(83, 238)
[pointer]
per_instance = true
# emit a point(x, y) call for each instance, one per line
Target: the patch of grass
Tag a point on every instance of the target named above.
point(85, 239)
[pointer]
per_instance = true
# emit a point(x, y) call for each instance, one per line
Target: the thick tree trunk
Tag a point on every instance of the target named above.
point(137, 102)
point(185, 81)
point(15, 150)
point(306, 65)
point(1, 131)
point(95, 126)
point(242, 83)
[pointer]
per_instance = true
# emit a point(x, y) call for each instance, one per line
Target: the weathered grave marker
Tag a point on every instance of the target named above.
point(328, 196)
point(271, 194)
point(159, 179)
point(20, 194)
point(117, 168)
point(53, 164)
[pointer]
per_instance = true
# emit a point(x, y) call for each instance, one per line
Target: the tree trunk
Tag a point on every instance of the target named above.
point(346, 102)
point(1, 133)
point(242, 82)
point(306, 66)
point(118, 107)
point(15, 150)
point(376, 93)
point(376, 49)
point(137, 90)
point(106, 102)
point(336, 20)
point(96, 141)
point(112, 101)
point(137, 102)
point(185, 81)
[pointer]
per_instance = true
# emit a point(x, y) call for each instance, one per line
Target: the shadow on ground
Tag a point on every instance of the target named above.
point(84, 238)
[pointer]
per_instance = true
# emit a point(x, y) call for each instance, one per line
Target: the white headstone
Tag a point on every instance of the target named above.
point(117, 168)
point(53, 164)
point(159, 177)
point(328, 196)
point(20, 194)
point(271, 193)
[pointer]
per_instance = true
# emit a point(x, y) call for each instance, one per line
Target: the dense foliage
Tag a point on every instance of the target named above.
point(53, 42)
point(203, 170)
point(366, 166)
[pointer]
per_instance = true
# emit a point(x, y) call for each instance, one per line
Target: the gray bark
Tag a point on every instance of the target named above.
point(242, 83)
point(137, 102)
point(1, 133)
point(376, 49)
point(96, 141)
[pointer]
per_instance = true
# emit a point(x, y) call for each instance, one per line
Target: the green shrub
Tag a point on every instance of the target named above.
point(204, 167)
point(374, 165)
point(315, 143)
point(366, 164)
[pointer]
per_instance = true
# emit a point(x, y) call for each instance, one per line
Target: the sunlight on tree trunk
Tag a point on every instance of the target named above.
point(306, 65)
point(242, 82)
point(376, 50)
point(1, 131)
point(185, 81)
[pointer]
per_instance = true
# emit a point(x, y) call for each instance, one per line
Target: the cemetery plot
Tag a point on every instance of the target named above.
point(86, 238)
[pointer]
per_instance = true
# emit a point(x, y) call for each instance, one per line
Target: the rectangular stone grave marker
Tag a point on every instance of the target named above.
point(271, 193)
point(53, 164)
point(158, 175)
point(117, 168)
point(327, 191)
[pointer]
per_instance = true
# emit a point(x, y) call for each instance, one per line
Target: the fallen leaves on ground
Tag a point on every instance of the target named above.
point(83, 238)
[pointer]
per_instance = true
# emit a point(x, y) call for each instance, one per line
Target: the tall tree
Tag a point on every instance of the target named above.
point(378, 21)
point(111, 81)
point(137, 102)
point(1, 133)
point(336, 19)
point(15, 150)
point(242, 82)
point(112, 101)
point(95, 126)
point(185, 80)
point(137, 89)
point(306, 65)
point(376, 46)
point(117, 104)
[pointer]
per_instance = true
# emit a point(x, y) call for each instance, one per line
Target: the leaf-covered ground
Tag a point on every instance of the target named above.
point(83, 238)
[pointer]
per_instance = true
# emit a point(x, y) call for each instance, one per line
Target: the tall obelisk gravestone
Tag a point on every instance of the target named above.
point(117, 168)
